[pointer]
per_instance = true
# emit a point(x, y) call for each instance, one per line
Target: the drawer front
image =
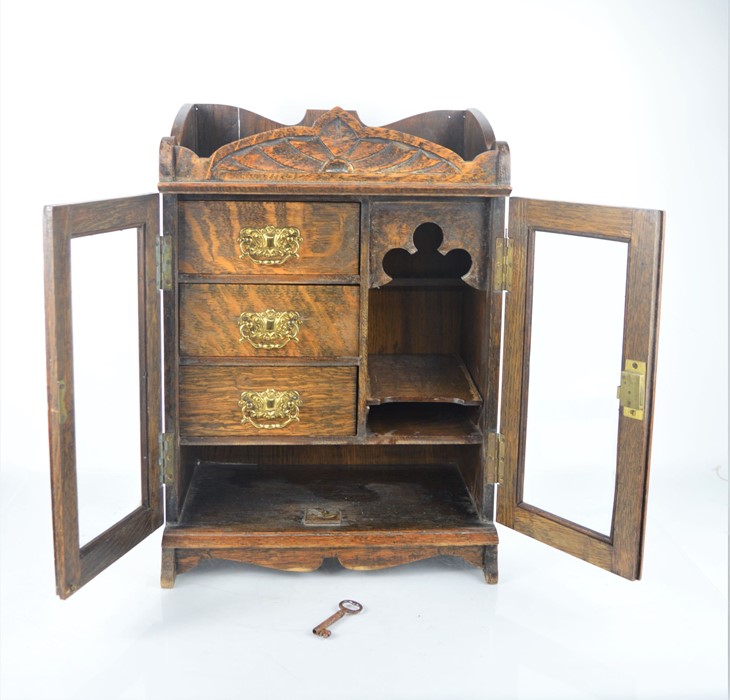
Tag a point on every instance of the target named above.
point(269, 238)
point(264, 320)
point(267, 402)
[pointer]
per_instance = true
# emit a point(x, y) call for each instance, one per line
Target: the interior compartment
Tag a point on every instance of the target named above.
point(291, 498)
point(267, 487)
point(425, 344)
point(424, 422)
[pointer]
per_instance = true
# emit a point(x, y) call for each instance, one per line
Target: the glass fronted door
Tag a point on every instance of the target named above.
point(104, 382)
point(581, 319)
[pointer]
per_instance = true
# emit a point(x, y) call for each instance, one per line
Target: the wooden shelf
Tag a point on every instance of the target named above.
point(259, 499)
point(430, 282)
point(427, 423)
point(420, 379)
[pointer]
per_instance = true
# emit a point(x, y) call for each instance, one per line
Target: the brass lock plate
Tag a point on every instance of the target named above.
point(270, 245)
point(322, 517)
point(269, 409)
point(270, 329)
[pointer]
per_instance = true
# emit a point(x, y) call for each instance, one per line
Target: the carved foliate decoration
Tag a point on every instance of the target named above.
point(336, 149)
point(337, 143)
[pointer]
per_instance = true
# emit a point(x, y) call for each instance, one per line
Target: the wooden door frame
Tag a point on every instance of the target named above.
point(621, 551)
point(76, 564)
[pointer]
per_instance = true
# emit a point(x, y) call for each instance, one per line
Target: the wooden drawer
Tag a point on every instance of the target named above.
point(265, 320)
point(326, 242)
point(212, 401)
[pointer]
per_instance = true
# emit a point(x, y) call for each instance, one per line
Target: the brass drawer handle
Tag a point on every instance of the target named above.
point(270, 329)
point(270, 409)
point(271, 245)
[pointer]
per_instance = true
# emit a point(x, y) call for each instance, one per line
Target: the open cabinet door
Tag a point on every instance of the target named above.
point(104, 384)
point(581, 317)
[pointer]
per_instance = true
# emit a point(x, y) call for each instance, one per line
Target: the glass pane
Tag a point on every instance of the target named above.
point(106, 378)
point(575, 364)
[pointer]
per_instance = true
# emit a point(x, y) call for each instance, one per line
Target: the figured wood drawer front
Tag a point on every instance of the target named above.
point(269, 238)
point(264, 320)
point(267, 402)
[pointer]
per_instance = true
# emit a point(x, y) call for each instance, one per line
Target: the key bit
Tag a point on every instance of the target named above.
point(347, 607)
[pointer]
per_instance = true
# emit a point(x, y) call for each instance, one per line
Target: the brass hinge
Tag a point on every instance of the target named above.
point(632, 391)
point(163, 253)
point(167, 453)
point(495, 458)
point(502, 269)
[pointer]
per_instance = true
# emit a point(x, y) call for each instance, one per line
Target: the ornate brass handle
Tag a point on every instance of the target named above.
point(269, 329)
point(271, 245)
point(270, 409)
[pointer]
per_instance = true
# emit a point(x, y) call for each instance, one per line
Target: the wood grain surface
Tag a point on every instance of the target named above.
point(463, 225)
point(274, 498)
point(219, 148)
point(420, 378)
point(209, 236)
point(390, 514)
point(365, 558)
point(419, 423)
point(415, 320)
point(209, 399)
point(209, 315)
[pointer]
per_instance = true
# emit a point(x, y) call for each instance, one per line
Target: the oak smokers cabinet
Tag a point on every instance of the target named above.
point(337, 333)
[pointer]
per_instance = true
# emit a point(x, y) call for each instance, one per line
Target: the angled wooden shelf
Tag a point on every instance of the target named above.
point(420, 379)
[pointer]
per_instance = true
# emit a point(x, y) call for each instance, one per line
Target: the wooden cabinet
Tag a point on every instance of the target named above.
point(338, 337)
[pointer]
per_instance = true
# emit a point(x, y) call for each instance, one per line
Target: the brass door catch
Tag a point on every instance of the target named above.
point(632, 391)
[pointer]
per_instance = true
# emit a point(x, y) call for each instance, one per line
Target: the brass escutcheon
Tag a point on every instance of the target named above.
point(270, 245)
point(270, 329)
point(270, 409)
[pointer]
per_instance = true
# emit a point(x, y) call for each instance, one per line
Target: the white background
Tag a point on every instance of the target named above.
point(610, 102)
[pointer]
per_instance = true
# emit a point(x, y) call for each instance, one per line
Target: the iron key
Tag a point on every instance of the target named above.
point(347, 607)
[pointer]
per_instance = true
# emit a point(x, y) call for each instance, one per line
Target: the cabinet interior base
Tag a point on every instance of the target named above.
point(277, 516)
